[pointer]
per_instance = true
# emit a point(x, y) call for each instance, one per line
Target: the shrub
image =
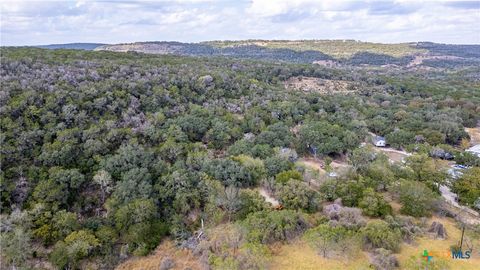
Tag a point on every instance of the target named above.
point(76, 246)
point(416, 198)
point(468, 186)
point(297, 195)
point(275, 165)
point(268, 227)
point(378, 234)
point(331, 240)
point(284, 177)
point(383, 259)
point(250, 201)
point(373, 204)
point(351, 192)
point(226, 248)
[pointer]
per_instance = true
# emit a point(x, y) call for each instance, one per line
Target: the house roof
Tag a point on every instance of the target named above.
point(378, 138)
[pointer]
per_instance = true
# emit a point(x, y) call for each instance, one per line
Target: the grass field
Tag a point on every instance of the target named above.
point(300, 255)
point(442, 246)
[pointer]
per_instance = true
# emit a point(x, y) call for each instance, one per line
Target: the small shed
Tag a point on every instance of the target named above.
point(474, 150)
point(379, 141)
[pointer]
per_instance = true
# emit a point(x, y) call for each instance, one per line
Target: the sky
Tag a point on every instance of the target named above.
point(108, 21)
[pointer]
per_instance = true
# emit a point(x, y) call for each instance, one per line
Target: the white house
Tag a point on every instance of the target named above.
point(474, 150)
point(379, 141)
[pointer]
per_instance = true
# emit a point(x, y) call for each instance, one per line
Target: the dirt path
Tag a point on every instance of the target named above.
point(393, 154)
point(462, 213)
point(474, 135)
point(315, 164)
point(449, 196)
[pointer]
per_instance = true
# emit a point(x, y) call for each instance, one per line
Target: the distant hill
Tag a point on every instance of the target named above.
point(205, 49)
point(73, 46)
point(327, 52)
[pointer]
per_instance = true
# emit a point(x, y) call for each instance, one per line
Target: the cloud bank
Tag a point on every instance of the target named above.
point(47, 22)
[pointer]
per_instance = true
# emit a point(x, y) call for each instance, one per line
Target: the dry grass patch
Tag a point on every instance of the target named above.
point(182, 259)
point(300, 255)
point(439, 246)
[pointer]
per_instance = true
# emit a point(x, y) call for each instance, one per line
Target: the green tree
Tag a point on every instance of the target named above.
point(416, 198)
point(322, 136)
point(76, 246)
point(16, 247)
point(330, 240)
point(253, 166)
point(297, 195)
point(400, 138)
point(219, 135)
point(373, 204)
point(468, 186)
point(275, 165)
point(427, 170)
point(137, 211)
point(251, 201)
point(135, 184)
point(286, 176)
point(64, 223)
point(378, 234)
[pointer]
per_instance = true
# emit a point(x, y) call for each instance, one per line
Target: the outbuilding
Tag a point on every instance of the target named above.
point(379, 141)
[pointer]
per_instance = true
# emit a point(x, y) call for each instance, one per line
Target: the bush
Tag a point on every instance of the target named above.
point(400, 138)
point(297, 195)
point(373, 204)
point(267, 227)
point(253, 166)
point(76, 246)
point(350, 191)
point(378, 234)
point(347, 217)
point(383, 259)
point(468, 186)
point(226, 248)
point(276, 165)
point(406, 225)
point(286, 176)
point(416, 198)
point(467, 159)
point(250, 201)
point(331, 240)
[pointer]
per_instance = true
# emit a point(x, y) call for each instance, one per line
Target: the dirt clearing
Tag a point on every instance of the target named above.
point(312, 84)
point(393, 154)
point(268, 198)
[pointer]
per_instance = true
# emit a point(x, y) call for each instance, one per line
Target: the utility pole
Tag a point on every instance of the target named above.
point(463, 232)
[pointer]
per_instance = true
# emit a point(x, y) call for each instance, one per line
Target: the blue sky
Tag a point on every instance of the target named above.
point(47, 22)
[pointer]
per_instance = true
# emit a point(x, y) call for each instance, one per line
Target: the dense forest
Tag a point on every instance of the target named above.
point(106, 154)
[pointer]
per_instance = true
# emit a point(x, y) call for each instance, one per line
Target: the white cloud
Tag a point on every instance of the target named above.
point(40, 22)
